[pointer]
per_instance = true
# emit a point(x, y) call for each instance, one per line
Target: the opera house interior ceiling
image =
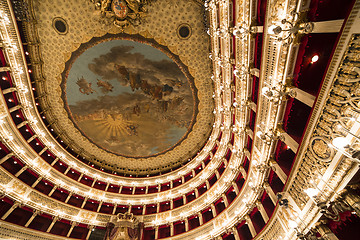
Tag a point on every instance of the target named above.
point(179, 119)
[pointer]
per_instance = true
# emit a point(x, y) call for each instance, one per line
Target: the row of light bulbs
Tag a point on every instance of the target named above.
point(60, 213)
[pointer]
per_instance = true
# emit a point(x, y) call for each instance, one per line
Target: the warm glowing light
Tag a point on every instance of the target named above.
point(293, 224)
point(340, 142)
point(311, 192)
point(315, 58)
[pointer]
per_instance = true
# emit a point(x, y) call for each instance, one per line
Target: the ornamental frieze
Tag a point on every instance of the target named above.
point(337, 117)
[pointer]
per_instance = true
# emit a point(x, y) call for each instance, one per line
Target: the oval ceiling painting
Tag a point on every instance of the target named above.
point(129, 98)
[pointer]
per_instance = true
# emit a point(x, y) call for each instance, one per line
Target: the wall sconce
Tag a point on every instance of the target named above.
point(343, 145)
point(240, 31)
point(276, 95)
point(269, 137)
point(292, 29)
point(241, 71)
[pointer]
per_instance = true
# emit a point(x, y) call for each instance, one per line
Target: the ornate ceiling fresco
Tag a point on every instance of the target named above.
point(176, 104)
point(127, 97)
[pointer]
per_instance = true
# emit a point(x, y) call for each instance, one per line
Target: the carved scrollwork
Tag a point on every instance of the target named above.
point(122, 13)
point(319, 147)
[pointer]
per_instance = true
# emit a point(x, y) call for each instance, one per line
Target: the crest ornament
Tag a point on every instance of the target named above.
point(320, 148)
point(123, 13)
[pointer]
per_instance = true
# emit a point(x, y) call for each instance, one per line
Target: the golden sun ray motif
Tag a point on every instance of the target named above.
point(114, 126)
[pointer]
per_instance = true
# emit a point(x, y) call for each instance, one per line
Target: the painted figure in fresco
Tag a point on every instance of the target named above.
point(156, 92)
point(84, 86)
point(105, 86)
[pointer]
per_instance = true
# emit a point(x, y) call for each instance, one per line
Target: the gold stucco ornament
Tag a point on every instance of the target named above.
point(122, 13)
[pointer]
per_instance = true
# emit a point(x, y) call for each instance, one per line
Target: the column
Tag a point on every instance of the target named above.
point(257, 29)
point(15, 205)
point(171, 229)
point(31, 138)
point(107, 186)
point(235, 187)
point(81, 175)
point(55, 161)
point(247, 153)
point(5, 69)
point(156, 232)
point(20, 125)
point(304, 97)
point(186, 225)
point(43, 150)
point(207, 184)
point(171, 203)
point(67, 170)
point(201, 220)
point(213, 210)
point(262, 211)
point(277, 169)
point(325, 232)
point(332, 26)
point(55, 218)
point(100, 203)
point(84, 202)
point(73, 224)
point(36, 182)
point(270, 192)
point(52, 190)
point(196, 192)
point(144, 209)
point(236, 234)
point(226, 202)
point(9, 155)
point(91, 228)
point(9, 90)
point(17, 107)
point(289, 141)
point(93, 183)
point(36, 212)
point(184, 199)
point(243, 171)
point(255, 72)
point(114, 209)
point(217, 174)
point(203, 165)
point(250, 225)
point(249, 132)
point(251, 105)
point(68, 197)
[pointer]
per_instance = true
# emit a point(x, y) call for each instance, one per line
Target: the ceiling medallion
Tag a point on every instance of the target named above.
point(123, 13)
point(128, 97)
